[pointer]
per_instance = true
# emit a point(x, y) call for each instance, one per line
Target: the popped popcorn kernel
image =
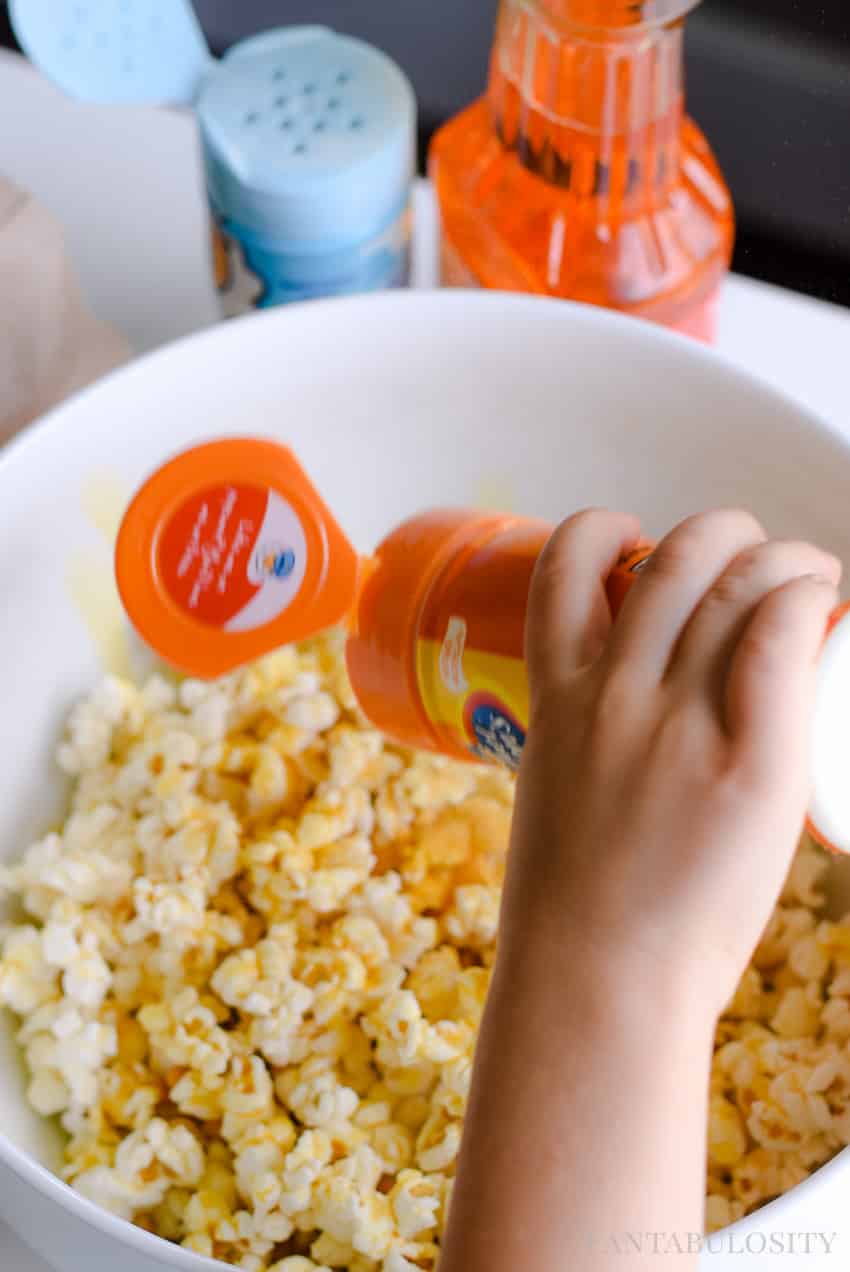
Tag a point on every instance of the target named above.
point(416, 1200)
point(727, 1139)
point(28, 979)
point(297, 1263)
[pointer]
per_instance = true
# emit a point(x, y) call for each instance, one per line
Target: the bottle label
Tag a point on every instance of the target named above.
point(240, 289)
point(478, 701)
point(249, 276)
point(233, 557)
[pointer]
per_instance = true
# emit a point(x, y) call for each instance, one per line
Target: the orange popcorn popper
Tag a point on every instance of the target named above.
point(228, 552)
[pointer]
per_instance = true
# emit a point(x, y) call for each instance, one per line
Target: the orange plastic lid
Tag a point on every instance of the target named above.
point(227, 553)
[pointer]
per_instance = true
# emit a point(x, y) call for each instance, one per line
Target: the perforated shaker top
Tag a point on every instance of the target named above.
point(309, 137)
point(115, 50)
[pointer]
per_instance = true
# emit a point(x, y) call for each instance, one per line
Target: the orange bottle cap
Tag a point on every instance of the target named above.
point(227, 553)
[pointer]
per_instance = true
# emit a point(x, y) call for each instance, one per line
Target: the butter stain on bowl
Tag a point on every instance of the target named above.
point(90, 577)
point(494, 493)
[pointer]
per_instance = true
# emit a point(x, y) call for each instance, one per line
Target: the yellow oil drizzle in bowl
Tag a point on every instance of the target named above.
point(104, 500)
point(494, 493)
point(90, 576)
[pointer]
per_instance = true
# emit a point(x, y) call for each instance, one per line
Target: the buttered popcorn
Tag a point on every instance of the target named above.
point(255, 960)
point(253, 966)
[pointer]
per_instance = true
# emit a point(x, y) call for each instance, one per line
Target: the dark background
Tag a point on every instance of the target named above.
point(768, 80)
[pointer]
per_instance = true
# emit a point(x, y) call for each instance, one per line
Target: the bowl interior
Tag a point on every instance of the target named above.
point(394, 404)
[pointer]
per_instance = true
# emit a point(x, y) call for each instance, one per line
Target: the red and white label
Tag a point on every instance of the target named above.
point(233, 557)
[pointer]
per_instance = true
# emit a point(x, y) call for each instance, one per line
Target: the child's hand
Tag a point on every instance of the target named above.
point(662, 791)
point(665, 779)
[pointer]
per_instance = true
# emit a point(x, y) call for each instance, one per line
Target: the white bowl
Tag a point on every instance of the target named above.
point(393, 404)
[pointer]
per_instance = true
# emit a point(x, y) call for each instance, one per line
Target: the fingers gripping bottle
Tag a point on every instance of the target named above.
point(579, 175)
point(228, 552)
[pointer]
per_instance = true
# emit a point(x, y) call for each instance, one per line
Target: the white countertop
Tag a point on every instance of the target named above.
point(127, 185)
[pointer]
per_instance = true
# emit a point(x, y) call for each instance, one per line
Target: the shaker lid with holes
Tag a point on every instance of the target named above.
point(309, 137)
point(115, 50)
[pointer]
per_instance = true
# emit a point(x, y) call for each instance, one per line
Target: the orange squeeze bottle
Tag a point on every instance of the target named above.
point(228, 552)
point(578, 175)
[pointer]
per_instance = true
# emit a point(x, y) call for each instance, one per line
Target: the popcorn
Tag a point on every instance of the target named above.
point(434, 981)
point(316, 1096)
point(332, 1253)
point(297, 1263)
point(453, 1090)
point(807, 958)
point(438, 1144)
point(48, 1093)
point(184, 1033)
point(65, 1053)
point(247, 1096)
point(353, 1215)
point(474, 917)
point(397, 1262)
point(28, 979)
point(87, 976)
point(416, 1201)
point(720, 1212)
point(397, 1027)
point(727, 1138)
point(94, 723)
point(302, 1167)
point(147, 1164)
point(394, 1144)
point(176, 910)
point(797, 1015)
point(255, 958)
point(316, 713)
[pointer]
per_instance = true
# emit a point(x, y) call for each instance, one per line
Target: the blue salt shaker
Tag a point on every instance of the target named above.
point(309, 138)
point(309, 144)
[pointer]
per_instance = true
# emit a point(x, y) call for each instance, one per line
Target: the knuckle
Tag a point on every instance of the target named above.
point(557, 546)
point(564, 546)
point(780, 556)
point(583, 518)
point(729, 589)
point(675, 556)
point(735, 584)
point(750, 559)
point(738, 521)
point(689, 541)
point(764, 648)
point(772, 564)
point(726, 522)
point(575, 527)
